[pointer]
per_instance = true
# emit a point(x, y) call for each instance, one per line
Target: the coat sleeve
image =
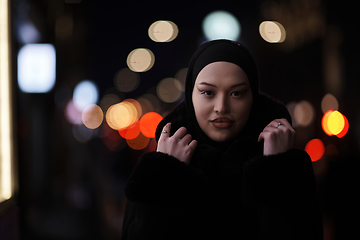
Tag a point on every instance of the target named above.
point(159, 178)
point(163, 199)
point(283, 188)
point(285, 178)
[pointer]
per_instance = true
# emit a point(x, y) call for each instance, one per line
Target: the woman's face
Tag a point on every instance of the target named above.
point(222, 100)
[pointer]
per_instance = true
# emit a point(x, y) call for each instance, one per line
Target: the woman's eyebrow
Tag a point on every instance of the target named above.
point(233, 86)
point(207, 84)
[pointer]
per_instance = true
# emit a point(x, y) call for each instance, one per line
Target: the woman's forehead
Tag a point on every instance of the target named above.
point(221, 72)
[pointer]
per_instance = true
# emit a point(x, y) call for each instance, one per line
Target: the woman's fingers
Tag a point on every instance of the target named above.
point(166, 130)
point(179, 145)
point(278, 136)
point(182, 136)
point(193, 144)
point(186, 139)
point(280, 122)
point(180, 133)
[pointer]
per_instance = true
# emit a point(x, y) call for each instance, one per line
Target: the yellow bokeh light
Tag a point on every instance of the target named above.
point(335, 122)
point(272, 32)
point(140, 60)
point(92, 116)
point(304, 113)
point(121, 115)
point(169, 90)
point(163, 31)
point(134, 106)
point(329, 102)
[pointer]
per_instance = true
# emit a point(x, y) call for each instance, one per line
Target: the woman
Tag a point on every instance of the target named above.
point(225, 166)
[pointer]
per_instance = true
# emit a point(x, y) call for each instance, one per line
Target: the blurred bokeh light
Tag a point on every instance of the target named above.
point(140, 60)
point(316, 149)
point(37, 68)
point(85, 93)
point(148, 124)
point(335, 123)
point(126, 80)
point(72, 113)
point(138, 143)
point(169, 90)
point(272, 32)
point(304, 113)
point(92, 116)
point(221, 25)
point(329, 102)
point(131, 131)
point(120, 116)
point(345, 128)
point(163, 31)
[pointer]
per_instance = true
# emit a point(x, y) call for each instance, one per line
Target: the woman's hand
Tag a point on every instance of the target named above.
point(179, 145)
point(278, 137)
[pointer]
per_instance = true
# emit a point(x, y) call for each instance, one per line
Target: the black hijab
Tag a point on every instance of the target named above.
point(215, 51)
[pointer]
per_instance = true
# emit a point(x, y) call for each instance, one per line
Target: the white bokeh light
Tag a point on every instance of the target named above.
point(85, 93)
point(37, 68)
point(221, 25)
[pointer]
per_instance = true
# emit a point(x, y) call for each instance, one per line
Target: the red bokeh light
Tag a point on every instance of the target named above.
point(345, 129)
point(130, 132)
point(316, 149)
point(148, 124)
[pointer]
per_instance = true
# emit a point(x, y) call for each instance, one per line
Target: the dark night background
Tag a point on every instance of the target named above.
point(74, 190)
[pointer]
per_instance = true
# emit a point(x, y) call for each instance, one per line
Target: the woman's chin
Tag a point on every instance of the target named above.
point(221, 137)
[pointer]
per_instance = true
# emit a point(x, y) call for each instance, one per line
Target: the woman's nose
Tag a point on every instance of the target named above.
point(220, 105)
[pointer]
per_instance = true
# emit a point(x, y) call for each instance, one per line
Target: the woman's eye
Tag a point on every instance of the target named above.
point(208, 93)
point(237, 94)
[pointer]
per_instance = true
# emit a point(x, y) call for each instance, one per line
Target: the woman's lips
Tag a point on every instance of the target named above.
point(222, 122)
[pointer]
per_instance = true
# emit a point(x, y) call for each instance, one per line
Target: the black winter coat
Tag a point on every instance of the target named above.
point(236, 194)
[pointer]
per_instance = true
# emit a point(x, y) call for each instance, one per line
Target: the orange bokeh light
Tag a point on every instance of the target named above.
point(324, 122)
point(316, 149)
point(148, 124)
point(131, 131)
